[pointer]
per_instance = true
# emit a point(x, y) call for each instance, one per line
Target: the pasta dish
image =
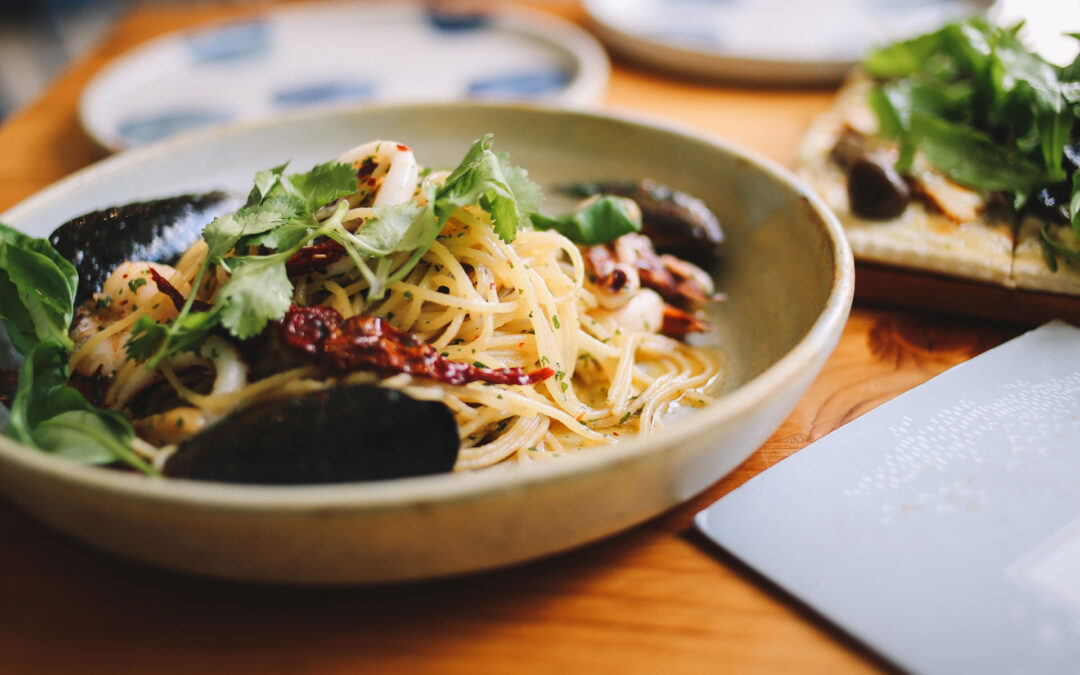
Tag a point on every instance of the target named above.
point(541, 335)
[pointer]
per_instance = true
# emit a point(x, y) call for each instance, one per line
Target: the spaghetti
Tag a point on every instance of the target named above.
point(532, 305)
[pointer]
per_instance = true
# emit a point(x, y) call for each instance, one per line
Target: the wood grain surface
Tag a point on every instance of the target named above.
point(654, 599)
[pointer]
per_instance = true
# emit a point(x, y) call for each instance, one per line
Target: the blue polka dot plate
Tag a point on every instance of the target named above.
point(339, 54)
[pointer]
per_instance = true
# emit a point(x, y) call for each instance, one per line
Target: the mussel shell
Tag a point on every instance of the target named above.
point(343, 434)
point(153, 231)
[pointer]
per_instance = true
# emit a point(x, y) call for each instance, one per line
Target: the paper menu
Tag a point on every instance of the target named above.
point(942, 528)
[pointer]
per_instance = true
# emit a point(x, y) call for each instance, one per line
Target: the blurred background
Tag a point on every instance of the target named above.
point(39, 37)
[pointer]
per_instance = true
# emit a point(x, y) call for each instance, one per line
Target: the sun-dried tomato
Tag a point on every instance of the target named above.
point(364, 342)
point(306, 329)
point(314, 257)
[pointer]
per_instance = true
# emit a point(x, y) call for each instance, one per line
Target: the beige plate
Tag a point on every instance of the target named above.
point(787, 271)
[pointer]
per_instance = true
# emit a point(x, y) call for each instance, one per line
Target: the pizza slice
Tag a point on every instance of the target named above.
point(921, 220)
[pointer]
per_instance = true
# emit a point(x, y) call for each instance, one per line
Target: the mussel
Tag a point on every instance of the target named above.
point(342, 434)
point(152, 231)
point(677, 223)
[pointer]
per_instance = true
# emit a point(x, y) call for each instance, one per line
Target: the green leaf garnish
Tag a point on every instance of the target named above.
point(37, 290)
point(280, 217)
point(599, 222)
point(487, 179)
point(982, 108)
point(49, 415)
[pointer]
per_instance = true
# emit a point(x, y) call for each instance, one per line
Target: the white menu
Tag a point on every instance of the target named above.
point(943, 527)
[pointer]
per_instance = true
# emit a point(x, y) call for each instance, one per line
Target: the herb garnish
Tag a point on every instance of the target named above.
point(280, 216)
point(599, 222)
point(985, 111)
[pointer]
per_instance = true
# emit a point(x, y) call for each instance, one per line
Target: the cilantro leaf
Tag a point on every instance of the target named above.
point(258, 291)
point(265, 181)
point(324, 184)
point(481, 179)
point(280, 214)
point(528, 194)
point(599, 222)
point(225, 232)
point(152, 342)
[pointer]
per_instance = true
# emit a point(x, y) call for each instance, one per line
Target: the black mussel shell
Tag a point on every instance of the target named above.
point(338, 435)
point(154, 231)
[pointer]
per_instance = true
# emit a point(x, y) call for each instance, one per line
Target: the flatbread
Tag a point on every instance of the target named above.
point(980, 247)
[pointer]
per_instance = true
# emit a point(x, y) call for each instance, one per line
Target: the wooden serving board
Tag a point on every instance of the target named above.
point(913, 289)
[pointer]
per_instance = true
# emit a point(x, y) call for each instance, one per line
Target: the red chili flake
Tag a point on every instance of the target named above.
point(177, 298)
point(403, 148)
point(363, 342)
point(364, 170)
point(314, 257)
point(125, 276)
point(371, 181)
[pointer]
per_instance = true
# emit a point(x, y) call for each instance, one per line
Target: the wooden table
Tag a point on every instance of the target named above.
point(655, 599)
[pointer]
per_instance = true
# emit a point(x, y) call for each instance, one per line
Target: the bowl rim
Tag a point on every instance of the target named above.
point(407, 492)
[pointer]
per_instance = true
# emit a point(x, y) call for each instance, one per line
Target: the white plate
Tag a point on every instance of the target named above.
point(787, 271)
point(764, 41)
point(336, 53)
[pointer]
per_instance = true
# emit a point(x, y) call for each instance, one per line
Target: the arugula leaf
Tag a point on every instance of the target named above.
point(904, 58)
point(981, 107)
point(601, 221)
point(972, 158)
point(37, 290)
point(49, 415)
point(486, 179)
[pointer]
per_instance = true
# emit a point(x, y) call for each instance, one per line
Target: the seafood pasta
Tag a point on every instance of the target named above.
point(538, 335)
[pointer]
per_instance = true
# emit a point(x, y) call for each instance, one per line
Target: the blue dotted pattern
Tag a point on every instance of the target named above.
point(520, 84)
point(456, 22)
point(234, 42)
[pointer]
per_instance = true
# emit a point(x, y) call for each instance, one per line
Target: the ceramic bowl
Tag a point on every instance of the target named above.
point(787, 272)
